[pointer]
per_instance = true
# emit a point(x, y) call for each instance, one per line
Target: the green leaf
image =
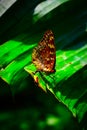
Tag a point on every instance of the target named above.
point(14, 56)
point(45, 7)
point(63, 82)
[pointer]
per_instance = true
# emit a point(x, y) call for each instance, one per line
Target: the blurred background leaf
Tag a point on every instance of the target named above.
point(21, 28)
point(5, 5)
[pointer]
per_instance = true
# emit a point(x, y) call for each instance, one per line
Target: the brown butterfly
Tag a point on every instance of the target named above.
point(44, 54)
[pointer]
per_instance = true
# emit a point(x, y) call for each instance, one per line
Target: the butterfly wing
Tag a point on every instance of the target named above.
point(44, 54)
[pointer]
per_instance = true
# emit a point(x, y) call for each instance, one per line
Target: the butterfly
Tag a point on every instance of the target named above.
point(44, 55)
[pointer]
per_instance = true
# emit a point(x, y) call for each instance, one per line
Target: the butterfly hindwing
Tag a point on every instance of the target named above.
point(44, 54)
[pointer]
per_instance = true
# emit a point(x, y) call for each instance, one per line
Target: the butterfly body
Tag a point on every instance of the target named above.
point(43, 55)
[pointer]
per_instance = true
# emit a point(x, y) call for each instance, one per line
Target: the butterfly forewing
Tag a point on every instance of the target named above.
point(43, 55)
